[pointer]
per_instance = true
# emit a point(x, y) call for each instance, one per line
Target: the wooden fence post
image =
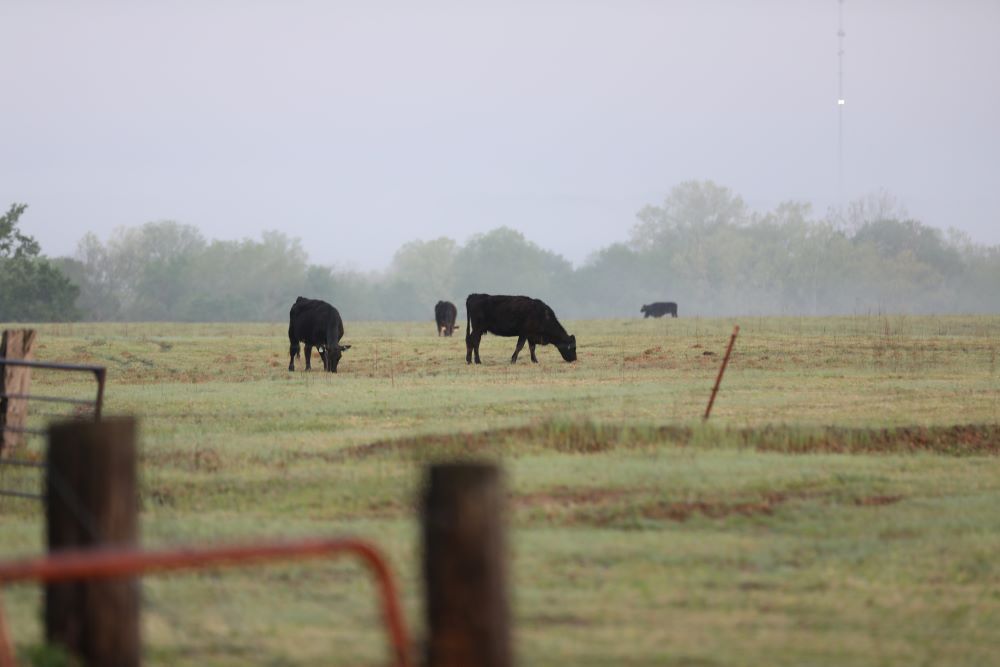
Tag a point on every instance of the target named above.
point(91, 503)
point(465, 567)
point(722, 369)
point(16, 344)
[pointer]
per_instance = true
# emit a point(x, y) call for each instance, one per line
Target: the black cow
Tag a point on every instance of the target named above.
point(659, 309)
point(317, 324)
point(445, 314)
point(528, 319)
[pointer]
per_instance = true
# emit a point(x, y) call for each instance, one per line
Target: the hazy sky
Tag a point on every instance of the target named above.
point(358, 126)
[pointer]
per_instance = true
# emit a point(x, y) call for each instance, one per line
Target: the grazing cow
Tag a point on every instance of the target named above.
point(659, 309)
point(528, 319)
point(316, 324)
point(445, 314)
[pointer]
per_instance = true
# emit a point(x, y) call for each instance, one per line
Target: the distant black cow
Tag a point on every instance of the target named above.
point(445, 314)
point(528, 319)
point(659, 309)
point(317, 324)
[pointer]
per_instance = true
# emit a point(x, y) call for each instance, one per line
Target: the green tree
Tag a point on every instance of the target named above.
point(247, 280)
point(429, 267)
point(892, 238)
point(615, 281)
point(702, 247)
point(692, 210)
point(91, 269)
point(504, 262)
point(141, 273)
point(32, 289)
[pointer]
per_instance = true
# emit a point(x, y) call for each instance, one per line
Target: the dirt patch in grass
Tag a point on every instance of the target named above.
point(960, 440)
point(682, 511)
point(550, 619)
point(160, 496)
point(722, 507)
point(198, 459)
point(579, 438)
point(608, 507)
point(568, 497)
point(589, 438)
point(623, 507)
point(874, 501)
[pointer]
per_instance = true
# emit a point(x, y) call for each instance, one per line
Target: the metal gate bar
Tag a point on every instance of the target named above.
point(100, 375)
point(103, 564)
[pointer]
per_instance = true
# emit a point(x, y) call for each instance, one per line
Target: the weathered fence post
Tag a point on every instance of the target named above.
point(91, 503)
point(14, 380)
point(465, 567)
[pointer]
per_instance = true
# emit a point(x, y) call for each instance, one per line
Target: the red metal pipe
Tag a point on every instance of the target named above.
point(100, 564)
point(722, 369)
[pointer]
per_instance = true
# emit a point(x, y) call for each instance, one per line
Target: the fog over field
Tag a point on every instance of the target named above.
point(360, 126)
point(797, 464)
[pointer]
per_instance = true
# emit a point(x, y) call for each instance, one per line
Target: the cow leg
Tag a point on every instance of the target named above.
point(309, 352)
point(293, 352)
point(517, 350)
point(472, 341)
point(472, 347)
point(322, 356)
point(531, 348)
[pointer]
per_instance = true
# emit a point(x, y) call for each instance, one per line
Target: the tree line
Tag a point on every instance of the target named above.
point(701, 247)
point(32, 289)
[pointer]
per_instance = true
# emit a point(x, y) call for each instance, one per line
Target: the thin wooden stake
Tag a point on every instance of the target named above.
point(722, 369)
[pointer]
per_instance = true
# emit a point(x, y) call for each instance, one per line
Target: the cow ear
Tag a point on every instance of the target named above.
point(344, 347)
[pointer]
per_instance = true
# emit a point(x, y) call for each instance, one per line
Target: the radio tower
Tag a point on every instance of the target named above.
point(840, 105)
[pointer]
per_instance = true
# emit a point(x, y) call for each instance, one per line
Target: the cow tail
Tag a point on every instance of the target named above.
point(468, 321)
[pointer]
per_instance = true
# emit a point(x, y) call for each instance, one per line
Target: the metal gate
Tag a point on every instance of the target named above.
point(70, 566)
point(39, 409)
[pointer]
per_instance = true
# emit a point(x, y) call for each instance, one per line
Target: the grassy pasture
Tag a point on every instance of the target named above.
point(840, 509)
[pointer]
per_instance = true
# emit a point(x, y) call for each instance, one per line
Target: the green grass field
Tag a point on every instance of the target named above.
point(841, 508)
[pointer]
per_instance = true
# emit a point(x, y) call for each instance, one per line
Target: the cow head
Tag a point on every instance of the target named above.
point(332, 358)
point(568, 349)
point(643, 309)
